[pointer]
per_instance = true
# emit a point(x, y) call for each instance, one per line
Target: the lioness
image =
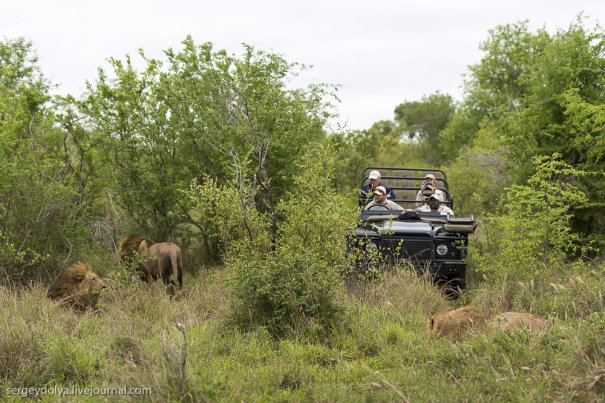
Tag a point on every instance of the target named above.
point(456, 322)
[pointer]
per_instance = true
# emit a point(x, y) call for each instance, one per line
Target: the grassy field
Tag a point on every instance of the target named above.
point(380, 352)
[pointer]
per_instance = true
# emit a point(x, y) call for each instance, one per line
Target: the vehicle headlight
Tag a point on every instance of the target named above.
point(441, 249)
point(371, 247)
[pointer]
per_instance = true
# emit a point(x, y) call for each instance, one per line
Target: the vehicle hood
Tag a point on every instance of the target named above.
point(404, 227)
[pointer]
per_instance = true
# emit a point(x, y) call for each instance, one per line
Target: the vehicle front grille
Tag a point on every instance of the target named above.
point(416, 249)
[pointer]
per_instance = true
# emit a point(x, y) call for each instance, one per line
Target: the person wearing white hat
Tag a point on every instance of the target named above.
point(435, 206)
point(367, 192)
point(429, 186)
point(380, 199)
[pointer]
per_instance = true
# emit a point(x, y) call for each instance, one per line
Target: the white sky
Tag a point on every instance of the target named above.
point(382, 52)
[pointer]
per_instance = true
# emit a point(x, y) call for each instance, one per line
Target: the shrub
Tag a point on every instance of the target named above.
point(533, 232)
point(18, 266)
point(297, 283)
point(228, 216)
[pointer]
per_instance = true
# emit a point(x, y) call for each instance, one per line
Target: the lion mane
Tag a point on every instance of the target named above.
point(154, 260)
point(77, 286)
point(129, 247)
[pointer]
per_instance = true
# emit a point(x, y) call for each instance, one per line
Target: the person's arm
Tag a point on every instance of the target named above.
point(396, 206)
point(420, 198)
point(441, 195)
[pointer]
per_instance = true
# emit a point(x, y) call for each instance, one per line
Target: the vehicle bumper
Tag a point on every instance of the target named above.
point(448, 269)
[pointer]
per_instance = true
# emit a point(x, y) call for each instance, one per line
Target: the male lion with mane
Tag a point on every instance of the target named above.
point(77, 286)
point(156, 260)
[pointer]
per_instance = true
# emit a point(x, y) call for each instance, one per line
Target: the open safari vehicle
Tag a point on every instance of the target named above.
point(433, 243)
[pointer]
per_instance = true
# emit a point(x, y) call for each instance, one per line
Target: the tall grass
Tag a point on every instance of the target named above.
point(380, 352)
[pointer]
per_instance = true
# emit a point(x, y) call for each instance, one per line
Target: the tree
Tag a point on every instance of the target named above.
point(424, 120)
point(496, 85)
point(561, 111)
point(41, 205)
point(200, 113)
point(532, 235)
point(537, 93)
point(297, 285)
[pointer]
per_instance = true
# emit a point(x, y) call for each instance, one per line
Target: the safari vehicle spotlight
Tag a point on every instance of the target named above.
point(433, 243)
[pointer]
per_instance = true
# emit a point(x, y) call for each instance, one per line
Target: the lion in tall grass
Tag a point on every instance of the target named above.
point(77, 286)
point(509, 321)
point(457, 322)
point(154, 260)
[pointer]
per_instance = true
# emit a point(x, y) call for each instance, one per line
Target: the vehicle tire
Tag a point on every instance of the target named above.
point(453, 287)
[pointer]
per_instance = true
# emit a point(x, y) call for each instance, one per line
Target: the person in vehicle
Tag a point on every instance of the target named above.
point(429, 186)
point(380, 199)
point(434, 206)
point(367, 192)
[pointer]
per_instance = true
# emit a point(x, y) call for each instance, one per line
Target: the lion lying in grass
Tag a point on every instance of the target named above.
point(509, 321)
point(77, 286)
point(456, 322)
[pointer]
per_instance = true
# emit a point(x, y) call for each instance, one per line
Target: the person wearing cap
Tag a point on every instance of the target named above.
point(429, 186)
point(380, 199)
point(434, 206)
point(367, 192)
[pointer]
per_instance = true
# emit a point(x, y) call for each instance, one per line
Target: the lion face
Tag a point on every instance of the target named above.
point(91, 284)
point(77, 286)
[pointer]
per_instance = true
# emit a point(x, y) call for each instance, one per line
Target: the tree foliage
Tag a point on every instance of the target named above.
point(424, 121)
point(533, 229)
point(42, 208)
point(536, 93)
point(201, 113)
point(295, 287)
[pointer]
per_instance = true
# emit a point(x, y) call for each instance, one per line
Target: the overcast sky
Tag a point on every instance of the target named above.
point(382, 52)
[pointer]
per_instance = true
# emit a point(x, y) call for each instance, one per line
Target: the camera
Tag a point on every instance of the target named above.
point(427, 189)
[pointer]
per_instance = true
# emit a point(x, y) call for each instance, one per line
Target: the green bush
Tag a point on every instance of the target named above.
point(295, 286)
point(228, 215)
point(532, 234)
point(285, 292)
point(18, 267)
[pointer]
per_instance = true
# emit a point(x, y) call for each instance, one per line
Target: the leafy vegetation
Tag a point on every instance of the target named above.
point(381, 352)
point(534, 227)
point(296, 285)
point(219, 153)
